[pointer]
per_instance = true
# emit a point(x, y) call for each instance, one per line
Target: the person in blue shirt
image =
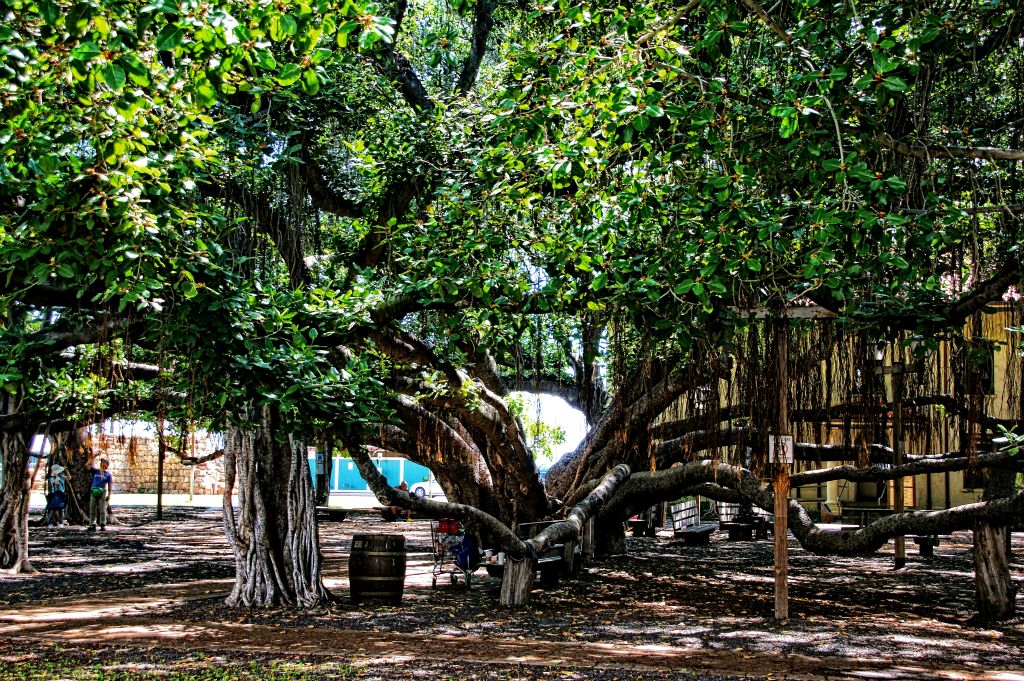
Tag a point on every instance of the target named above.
point(56, 497)
point(99, 495)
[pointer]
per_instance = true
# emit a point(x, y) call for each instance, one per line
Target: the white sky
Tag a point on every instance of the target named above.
point(554, 411)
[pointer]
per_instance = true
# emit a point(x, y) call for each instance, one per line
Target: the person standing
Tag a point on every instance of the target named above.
point(56, 496)
point(99, 495)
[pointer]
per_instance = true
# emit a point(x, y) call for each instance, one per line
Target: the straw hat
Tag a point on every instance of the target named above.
point(58, 469)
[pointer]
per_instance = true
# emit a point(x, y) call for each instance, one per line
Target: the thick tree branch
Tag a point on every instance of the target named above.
point(988, 291)
point(396, 66)
point(272, 222)
point(483, 21)
point(547, 385)
point(197, 460)
point(39, 421)
point(386, 494)
point(46, 295)
point(323, 197)
point(681, 427)
point(63, 335)
point(921, 466)
point(926, 153)
point(572, 526)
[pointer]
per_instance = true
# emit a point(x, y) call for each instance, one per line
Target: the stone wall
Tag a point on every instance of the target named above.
point(133, 463)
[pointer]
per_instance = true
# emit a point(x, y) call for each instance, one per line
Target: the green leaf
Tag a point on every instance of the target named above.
point(789, 126)
point(136, 70)
point(207, 93)
point(113, 76)
point(367, 39)
point(344, 29)
point(310, 82)
point(289, 74)
point(49, 11)
point(896, 183)
point(169, 38)
point(884, 63)
point(839, 73)
point(86, 52)
point(265, 58)
point(895, 83)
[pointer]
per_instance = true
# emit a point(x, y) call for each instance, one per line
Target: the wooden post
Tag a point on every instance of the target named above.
point(897, 457)
point(517, 580)
point(780, 479)
point(160, 447)
point(588, 541)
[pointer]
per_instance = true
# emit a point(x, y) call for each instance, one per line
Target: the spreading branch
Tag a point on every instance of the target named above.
point(927, 153)
point(433, 508)
point(483, 21)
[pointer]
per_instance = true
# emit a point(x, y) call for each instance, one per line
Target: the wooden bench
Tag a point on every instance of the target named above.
point(926, 543)
point(686, 523)
point(863, 515)
point(742, 528)
point(645, 523)
point(558, 560)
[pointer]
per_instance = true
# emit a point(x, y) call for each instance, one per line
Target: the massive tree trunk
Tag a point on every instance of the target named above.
point(73, 449)
point(995, 593)
point(274, 533)
point(14, 494)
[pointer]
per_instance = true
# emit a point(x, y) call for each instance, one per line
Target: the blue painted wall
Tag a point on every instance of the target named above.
point(345, 475)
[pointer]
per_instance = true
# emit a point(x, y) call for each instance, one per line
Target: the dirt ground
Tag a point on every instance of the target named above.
point(148, 595)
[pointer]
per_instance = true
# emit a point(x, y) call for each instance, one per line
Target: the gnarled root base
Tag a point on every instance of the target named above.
point(274, 536)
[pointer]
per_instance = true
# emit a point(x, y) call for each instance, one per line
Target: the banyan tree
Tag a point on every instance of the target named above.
point(369, 226)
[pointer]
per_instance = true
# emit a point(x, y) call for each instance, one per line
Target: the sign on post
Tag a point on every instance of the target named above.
point(781, 449)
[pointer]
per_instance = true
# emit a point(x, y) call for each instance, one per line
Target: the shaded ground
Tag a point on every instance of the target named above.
point(666, 607)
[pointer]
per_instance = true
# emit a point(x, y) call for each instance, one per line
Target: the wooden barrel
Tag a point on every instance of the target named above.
point(376, 568)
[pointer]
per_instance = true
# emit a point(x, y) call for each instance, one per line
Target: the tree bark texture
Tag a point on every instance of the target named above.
point(995, 593)
point(14, 495)
point(274, 534)
point(73, 450)
point(517, 581)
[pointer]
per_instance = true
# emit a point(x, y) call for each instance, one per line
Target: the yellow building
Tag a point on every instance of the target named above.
point(949, 405)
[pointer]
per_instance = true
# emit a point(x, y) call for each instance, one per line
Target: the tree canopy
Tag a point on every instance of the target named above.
point(371, 223)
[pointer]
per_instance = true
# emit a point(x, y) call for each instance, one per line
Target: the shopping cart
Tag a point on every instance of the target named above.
point(455, 552)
